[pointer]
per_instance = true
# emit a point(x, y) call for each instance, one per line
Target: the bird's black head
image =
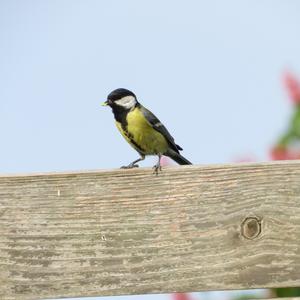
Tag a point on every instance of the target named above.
point(121, 99)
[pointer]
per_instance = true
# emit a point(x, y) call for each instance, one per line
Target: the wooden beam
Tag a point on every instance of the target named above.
point(130, 232)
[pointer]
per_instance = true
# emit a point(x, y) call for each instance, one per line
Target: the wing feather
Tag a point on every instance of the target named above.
point(157, 125)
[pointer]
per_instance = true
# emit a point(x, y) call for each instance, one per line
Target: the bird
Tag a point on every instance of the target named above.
point(142, 129)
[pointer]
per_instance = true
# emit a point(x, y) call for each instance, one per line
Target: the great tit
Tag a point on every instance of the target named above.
point(142, 129)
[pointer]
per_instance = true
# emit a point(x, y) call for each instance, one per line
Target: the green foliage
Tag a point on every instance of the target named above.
point(245, 297)
point(293, 132)
point(287, 292)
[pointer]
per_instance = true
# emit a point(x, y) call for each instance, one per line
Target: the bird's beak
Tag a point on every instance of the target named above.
point(105, 103)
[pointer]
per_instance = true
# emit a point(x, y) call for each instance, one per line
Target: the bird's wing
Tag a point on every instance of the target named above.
point(157, 125)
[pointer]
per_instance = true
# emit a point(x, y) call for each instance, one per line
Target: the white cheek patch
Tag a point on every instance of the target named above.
point(126, 102)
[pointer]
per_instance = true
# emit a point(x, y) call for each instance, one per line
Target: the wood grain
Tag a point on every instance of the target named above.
point(131, 232)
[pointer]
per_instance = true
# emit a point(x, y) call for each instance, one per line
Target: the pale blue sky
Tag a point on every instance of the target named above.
point(210, 70)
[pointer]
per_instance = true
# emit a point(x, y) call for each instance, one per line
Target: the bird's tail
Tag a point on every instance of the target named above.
point(178, 158)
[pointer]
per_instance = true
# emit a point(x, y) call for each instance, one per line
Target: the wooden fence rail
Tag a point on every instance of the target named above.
point(130, 232)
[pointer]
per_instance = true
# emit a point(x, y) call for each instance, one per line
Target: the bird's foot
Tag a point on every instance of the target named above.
point(130, 166)
point(156, 169)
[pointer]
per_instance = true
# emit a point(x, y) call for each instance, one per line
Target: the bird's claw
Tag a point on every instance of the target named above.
point(156, 169)
point(130, 166)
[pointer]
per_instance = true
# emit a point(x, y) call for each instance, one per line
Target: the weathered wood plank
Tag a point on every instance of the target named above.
point(131, 232)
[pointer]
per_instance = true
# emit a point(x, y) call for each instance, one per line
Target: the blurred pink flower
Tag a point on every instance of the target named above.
point(281, 153)
point(293, 86)
point(165, 161)
point(181, 296)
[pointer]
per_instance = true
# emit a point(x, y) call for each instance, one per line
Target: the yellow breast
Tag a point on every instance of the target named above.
point(141, 136)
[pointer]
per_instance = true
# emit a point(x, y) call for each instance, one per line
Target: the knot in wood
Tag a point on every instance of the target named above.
point(251, 228)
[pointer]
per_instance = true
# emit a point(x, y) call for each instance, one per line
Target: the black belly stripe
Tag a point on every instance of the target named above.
point(120, 116)
point(132, 141)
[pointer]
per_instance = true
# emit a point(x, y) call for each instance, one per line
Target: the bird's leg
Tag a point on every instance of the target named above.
point(157, 167)
point(133, 164)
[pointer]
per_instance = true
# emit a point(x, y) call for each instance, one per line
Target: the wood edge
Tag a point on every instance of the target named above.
point(147, 169)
